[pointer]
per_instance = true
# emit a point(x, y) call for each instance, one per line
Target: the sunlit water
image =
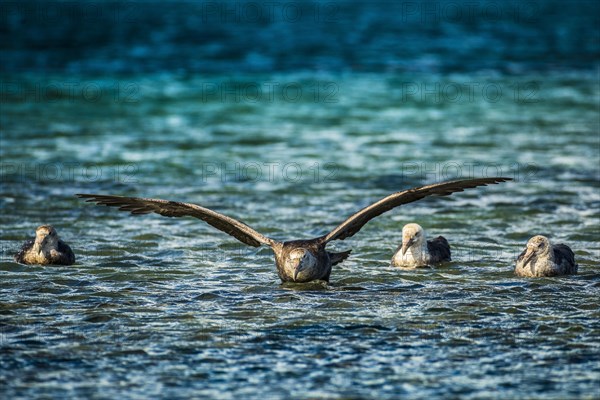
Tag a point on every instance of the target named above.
point(180, 101)
point(156, 306)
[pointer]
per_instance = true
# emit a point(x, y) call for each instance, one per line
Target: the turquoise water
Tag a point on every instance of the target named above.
point(291, 116)
point(157, 307)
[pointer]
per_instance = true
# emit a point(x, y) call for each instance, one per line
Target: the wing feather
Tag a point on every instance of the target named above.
point(20, 256)
point(353, 224)
point(139, 206)
point(439, 249)
point(564, 256)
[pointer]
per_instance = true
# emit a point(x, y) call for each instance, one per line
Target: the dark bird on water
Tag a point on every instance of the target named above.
point(541, 258)
point(417, 251)
point(296, 260)
point(47, 248)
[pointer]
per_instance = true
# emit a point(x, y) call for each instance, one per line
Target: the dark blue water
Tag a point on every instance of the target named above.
point(291, 116)
point(243, 36)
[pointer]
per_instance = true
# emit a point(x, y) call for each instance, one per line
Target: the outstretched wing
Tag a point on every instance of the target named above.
point(137, 205)
point(353, 224)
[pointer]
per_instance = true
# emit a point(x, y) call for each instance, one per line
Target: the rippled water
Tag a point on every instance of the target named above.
point(165, 307)
point(291, 126)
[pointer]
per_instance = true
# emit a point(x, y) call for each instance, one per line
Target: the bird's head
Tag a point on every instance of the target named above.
point(413, 235)
point(46, 237)
point(300, 264)
point(536, 246)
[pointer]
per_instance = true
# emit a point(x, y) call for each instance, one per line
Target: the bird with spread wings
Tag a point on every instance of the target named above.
point(296, 260)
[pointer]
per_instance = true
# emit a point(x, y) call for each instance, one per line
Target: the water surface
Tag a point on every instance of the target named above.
point(291, 126)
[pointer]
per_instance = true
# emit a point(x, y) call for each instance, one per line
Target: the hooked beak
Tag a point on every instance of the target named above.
point(43, 243)
point(297, 270)
point(406, 245)
point(528, 256)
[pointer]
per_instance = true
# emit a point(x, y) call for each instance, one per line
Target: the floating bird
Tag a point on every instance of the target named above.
point(417, 251)
point(296, 260)
point(46, 248)
point(541, 258)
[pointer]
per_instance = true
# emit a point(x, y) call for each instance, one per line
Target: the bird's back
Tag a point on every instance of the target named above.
point(439, 249)
point(564, 259)
point(67, 257)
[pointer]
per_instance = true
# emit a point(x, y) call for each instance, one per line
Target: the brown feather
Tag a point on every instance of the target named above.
point(138, 206)
point(353, 224)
